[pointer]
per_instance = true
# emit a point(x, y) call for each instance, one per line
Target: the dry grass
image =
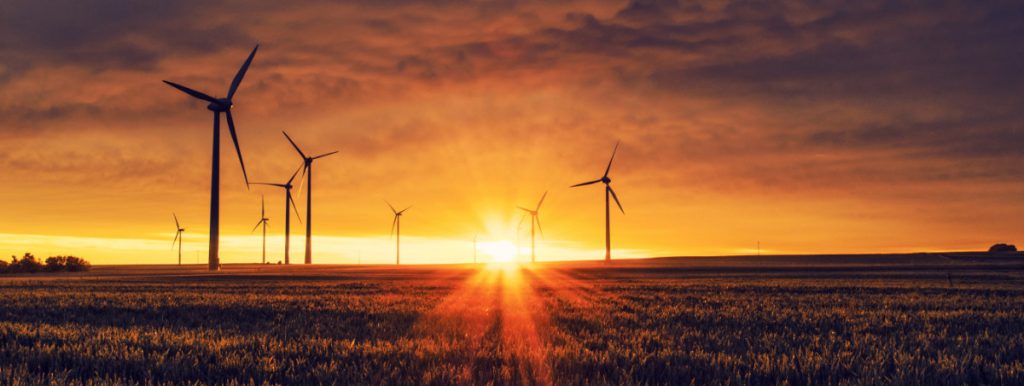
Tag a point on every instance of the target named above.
point(654, 322)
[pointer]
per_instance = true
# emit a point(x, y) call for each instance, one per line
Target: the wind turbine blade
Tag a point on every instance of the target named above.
point(241, 73)
point(234, 138)
point(296, 173)
point(297, 217)
point(176, 224)
point(541, 201)
point(393, 223)
point(257, 226)
point(392, 207)
point(612, 159)
point(294, 145)
point(612, 191)
point(586, 183)
point(193, 93)
point(263, 207)
point(176, 234)
point(298, 189)
point(537, 218)
point(524, 209)
point(268, 184)
point(325, 154)
point(403, 210)
point(521, 222)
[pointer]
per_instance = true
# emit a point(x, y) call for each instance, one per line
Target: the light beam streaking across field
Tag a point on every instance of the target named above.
point(497, 314)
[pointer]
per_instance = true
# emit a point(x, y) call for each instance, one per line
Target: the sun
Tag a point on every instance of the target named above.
point(502, 251)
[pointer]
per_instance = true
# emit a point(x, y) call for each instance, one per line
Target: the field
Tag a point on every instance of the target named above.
point(918, 319)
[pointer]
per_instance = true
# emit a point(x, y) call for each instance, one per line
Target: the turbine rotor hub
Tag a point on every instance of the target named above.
point(221, 105)
point(606, 180)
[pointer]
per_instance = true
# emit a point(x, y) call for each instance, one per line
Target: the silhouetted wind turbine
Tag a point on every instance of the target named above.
point(534, 218)
point(178, 236)
point(220, 105)
point(263, 221)
point(607, 216)
point(287, 211)
point(396, 230)
point(308, 171)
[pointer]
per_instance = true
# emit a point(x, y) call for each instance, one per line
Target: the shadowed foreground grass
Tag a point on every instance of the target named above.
point(648, 322)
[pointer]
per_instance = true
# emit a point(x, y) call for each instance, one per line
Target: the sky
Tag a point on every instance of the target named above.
point(807, 127)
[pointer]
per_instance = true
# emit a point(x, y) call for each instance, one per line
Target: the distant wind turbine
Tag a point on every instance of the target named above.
point(308, 171)
point(396, 230)
point(218, 106)
point(607, 216)
point(287, 186)
point(263, 221)
point(534, 219)
point(178, 236)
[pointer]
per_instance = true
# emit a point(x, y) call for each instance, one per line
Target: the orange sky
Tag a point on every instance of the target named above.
point(868, 127)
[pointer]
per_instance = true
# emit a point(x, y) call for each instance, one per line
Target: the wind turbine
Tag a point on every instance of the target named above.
point(308, 171)
point(178, 236)
point(396, 230)
point(287, 186)
point(218, 106)
point(607, 216)
point(263, 221)
point(534, 218)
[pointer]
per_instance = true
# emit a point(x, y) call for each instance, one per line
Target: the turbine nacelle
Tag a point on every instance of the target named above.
point(606, 180)
point(220, 105)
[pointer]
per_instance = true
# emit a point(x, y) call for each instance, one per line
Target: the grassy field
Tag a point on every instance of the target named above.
point(918, 319)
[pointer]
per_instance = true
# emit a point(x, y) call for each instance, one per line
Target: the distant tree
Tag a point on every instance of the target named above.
point(75, 264)
point(27, 264)
point(1002, 248)
point(55, 263)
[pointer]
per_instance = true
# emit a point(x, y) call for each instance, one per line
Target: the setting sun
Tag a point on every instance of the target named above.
point(499, 251)
point(619, 192)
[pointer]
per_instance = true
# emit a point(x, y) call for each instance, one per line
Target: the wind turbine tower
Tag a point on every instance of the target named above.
point(263, 221)
point(607, 213)
point(534, 219)
point(307, 170)
point(218, 106)
point(178, 236)
point(396, 230)
point(289, 203)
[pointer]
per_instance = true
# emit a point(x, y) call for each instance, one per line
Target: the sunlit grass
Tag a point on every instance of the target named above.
point(520, 324)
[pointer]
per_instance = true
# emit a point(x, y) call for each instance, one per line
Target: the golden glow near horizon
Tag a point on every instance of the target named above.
point(733, 131)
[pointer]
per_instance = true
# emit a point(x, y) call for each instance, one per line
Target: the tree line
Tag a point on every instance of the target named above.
point(30, 264)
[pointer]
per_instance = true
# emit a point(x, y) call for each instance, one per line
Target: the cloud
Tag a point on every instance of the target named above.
point(459, 102)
